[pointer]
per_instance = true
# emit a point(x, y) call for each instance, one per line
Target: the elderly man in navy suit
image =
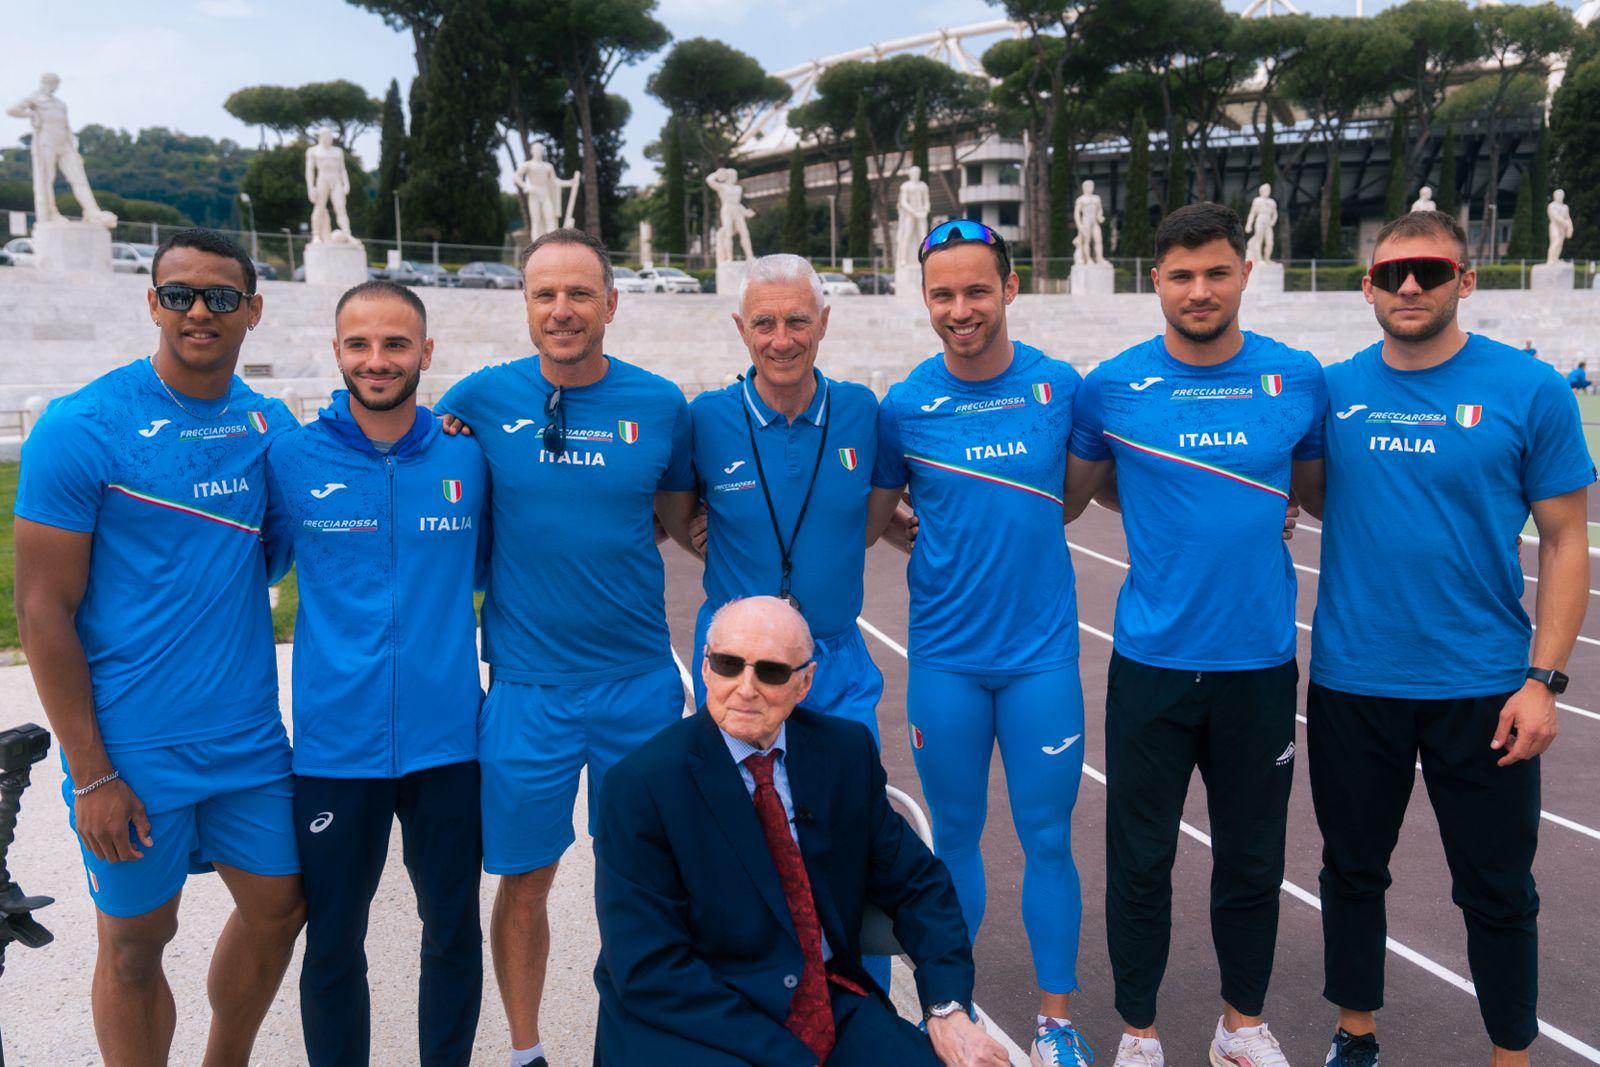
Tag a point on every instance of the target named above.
point(735, 853)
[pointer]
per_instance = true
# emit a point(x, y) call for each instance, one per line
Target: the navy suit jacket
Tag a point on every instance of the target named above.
point(698, 954)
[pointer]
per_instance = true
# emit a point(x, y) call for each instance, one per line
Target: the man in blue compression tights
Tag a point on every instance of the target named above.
point(979, 432)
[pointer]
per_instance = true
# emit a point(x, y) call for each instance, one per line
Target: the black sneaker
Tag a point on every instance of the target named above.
point(1352, 1050)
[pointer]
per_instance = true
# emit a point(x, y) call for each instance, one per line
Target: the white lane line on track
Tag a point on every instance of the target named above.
point(1405, 952)
point(1298, 624)
point(688, 686)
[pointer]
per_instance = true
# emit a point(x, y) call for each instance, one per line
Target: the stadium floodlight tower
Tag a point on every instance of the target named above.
point(1269, 8)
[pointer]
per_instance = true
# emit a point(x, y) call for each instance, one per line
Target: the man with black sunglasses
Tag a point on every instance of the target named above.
point(583, 449)
point(1439, 445)
point(141, 598)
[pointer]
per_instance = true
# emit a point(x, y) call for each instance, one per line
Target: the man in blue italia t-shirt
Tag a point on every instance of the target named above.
point(1440, 444)
point(387, 520)
point(583, 448)
point(142, 603)
point(979, 433)
point(1207, 426)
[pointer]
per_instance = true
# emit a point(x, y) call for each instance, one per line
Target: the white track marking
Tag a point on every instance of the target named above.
point(688, 686)
point(898, 648)
point(1405, 952)
point(1298, 624)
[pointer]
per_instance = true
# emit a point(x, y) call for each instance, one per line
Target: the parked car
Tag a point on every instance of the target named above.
point(869, 282)
point(835, 284)
point(627, 280)
point(20, 249)
point(128, 258)
point(670, 280)
point(486, 275)
point(265, 271)
point(5, 258)
point(410, 272)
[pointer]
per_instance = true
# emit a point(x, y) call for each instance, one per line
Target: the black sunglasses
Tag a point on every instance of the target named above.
point(221, 299)
point(555, 436)
point(957, 231)
point(1430, 272)
point(768, 671)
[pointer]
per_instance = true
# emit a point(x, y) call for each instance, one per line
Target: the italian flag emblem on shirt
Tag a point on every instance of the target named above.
point(1272, 384)
point(259, 421)
point(1042, 392)
point(628, 431)
point(452, 490)
point(1469, 415)
point(847, 456)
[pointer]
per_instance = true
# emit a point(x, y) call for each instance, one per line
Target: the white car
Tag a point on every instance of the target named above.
point(129, 258)
point(20, 249)
point(838, 285)
point(670, 280)
point(627, 280)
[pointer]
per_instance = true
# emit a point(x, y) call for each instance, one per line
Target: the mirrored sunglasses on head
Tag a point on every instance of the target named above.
point(960, 231)
point(1429, 271)
point(220, 299)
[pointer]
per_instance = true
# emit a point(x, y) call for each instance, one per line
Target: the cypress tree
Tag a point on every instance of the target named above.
point(919, 136)
point(671, 230)
point(859, 228)
point(1539, 178)
point(1134, 236)
point(1448, 195)
point(795, 237)
point(1333, 241)
point(1060, 199)
point(1521, 245)
point(391, 164)
point(1268, 171)
point(1394, 197)
point(1177, 168)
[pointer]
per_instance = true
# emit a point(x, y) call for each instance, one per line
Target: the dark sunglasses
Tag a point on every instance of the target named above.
point(957, 231)
point(1430, 272)
point(555, 435)
point(219, 298)
point(768, 671)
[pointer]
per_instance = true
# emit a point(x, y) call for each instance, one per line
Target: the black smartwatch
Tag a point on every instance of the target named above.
point(1555, 681)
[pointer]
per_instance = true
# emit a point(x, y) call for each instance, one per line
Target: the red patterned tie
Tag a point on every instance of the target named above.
point(811, 1011)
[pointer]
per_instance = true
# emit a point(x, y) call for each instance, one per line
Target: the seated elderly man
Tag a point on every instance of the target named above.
point(734, 855)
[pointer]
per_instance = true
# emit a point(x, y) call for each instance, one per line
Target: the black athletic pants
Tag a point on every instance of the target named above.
point(1238, 728)
point(343, 826)
point(1364, 752)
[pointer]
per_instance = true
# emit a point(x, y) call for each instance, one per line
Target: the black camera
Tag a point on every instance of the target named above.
point(20, 748)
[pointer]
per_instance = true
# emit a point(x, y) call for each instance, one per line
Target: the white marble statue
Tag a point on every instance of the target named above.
point(327, 183)
point(1263, 219)
point(731, 221)
point(1560, 225)
point(538, 180)
point(55, 150)
point(1088, 214)
point(1424, 201)
point(913, 210)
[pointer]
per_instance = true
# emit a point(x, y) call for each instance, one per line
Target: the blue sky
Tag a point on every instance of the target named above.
point(137, 63)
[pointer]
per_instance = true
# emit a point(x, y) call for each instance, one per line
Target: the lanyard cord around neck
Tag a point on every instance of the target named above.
point(785, 551)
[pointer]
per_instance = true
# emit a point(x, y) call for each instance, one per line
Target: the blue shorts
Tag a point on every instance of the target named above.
point(847, 683)
point(534, 739)
point(227, 800)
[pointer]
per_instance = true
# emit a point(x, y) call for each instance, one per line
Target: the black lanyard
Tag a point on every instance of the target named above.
point(785, 551)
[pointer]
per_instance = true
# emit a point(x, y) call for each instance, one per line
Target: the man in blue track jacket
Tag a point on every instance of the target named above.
point(387, 519)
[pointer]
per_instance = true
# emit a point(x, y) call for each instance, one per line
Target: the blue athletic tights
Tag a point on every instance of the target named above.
point(956, 718)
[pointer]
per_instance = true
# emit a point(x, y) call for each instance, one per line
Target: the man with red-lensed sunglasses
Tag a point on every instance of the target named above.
point(1439, 443)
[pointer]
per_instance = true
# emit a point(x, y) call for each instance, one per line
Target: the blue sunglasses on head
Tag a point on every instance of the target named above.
point(959, 231)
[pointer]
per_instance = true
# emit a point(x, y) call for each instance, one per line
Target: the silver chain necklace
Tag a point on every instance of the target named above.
point(180, 403)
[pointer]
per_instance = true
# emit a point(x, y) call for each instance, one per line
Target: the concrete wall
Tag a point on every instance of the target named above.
point(59, 331)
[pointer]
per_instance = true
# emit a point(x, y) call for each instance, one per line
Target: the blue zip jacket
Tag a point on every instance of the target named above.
point(388, 549)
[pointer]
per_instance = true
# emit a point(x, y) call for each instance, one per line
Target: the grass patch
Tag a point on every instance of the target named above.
point(288, 603)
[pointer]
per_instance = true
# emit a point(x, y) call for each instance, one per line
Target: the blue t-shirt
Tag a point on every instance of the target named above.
point(1430, 477)
point(1203, 460)
point(992, 588)
point(1576, 378)
point(837, 438)
point(577, 591)
point(174, 619)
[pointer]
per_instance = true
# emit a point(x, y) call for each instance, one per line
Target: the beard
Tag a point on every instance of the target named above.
point(1202, 337)
point(1427, 331)
point(408, 388)
point(988, 336)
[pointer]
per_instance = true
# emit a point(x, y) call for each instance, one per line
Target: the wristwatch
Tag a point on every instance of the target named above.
point(1555, 681)
point(944, 1009)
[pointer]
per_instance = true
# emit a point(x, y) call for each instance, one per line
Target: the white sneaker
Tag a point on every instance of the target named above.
point(1139, 1052)
point(1249, 1046)
point(1060, 1046)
